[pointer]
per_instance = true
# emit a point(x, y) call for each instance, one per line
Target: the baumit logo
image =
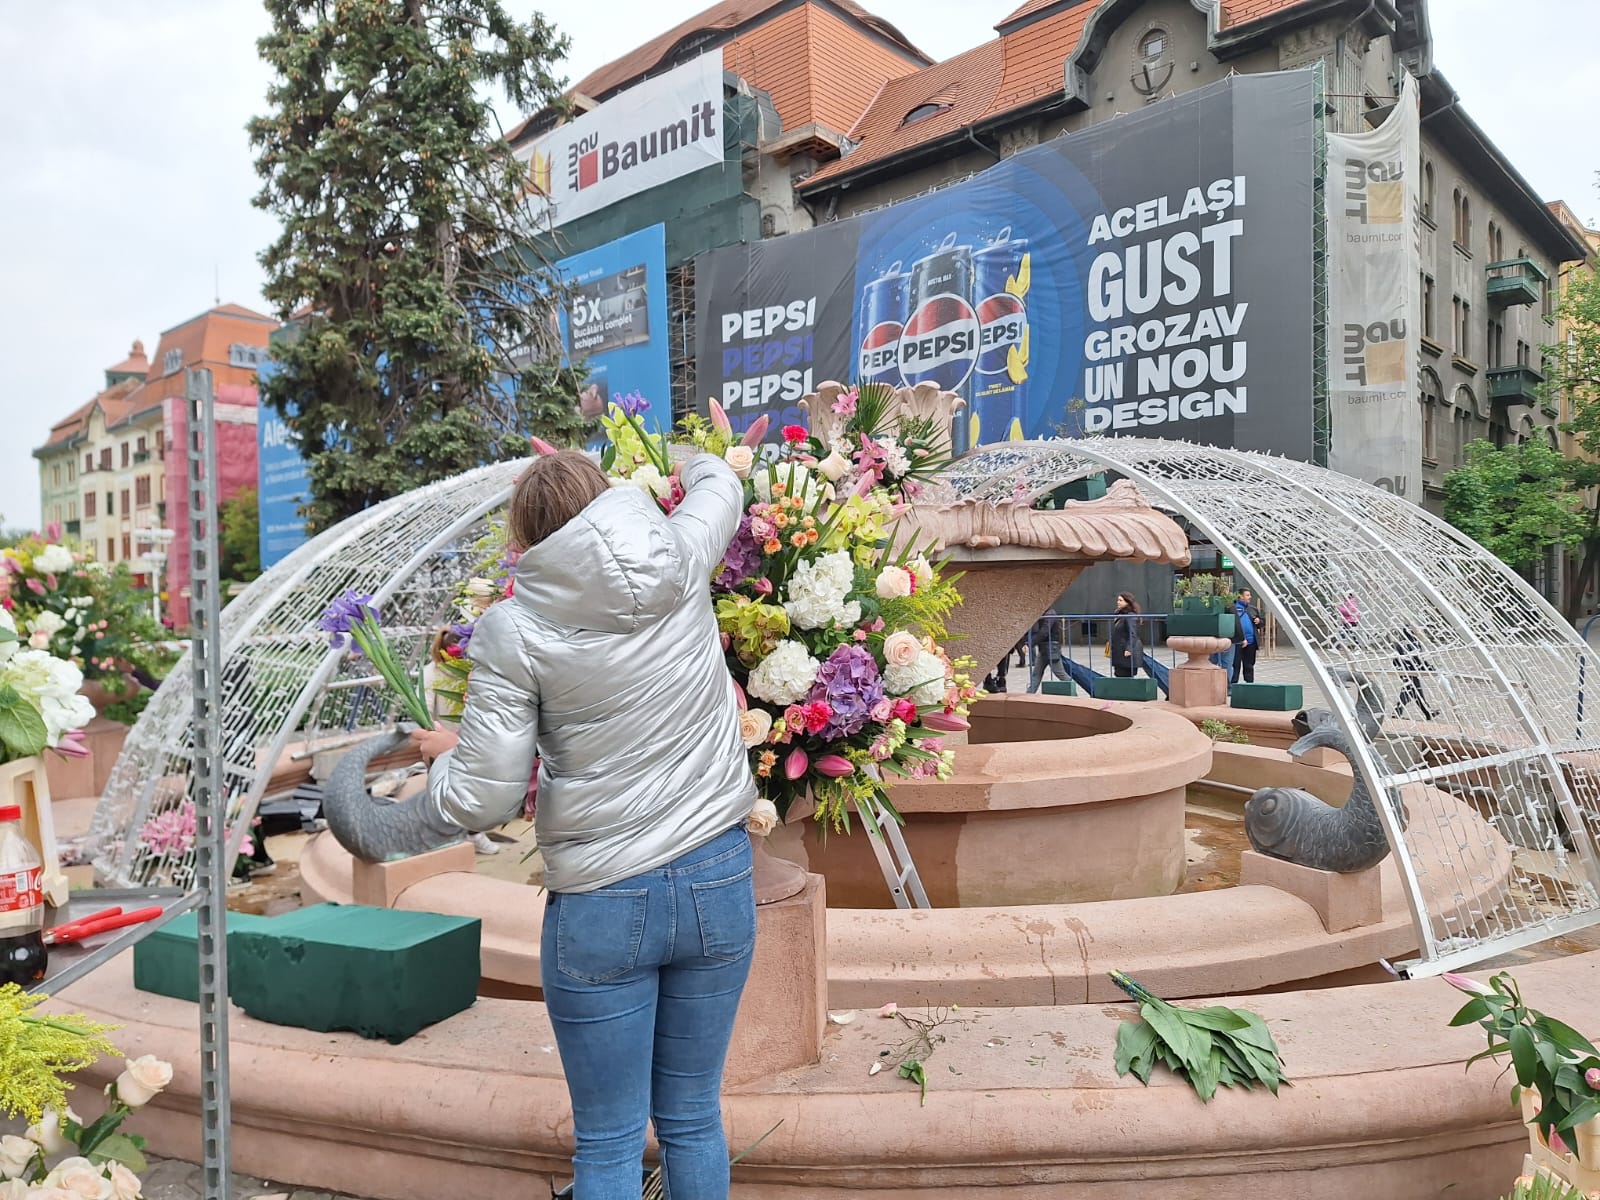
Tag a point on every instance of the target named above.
point(590, 161)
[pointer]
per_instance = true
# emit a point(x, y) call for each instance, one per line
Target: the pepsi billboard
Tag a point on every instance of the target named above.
point(1150, 275)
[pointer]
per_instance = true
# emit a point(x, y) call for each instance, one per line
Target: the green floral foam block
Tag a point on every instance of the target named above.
point(380, 973)
point(1267, 697)
point(167, 962)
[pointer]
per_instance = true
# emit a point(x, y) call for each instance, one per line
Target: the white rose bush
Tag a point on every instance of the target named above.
point(832, 629)
point(61, 1156)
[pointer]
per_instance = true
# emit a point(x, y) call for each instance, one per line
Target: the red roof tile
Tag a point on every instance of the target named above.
point(1242, 12)
point(135, 364)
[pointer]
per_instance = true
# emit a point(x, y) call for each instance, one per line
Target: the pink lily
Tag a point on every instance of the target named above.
point(719, 419)
point(1463, 984)
point(542, 447)
point(762, 587)
point(72, 745)
point(739, 695)
point(835, 766)
point(944, 722)
point(795, 765)
point(757, 431)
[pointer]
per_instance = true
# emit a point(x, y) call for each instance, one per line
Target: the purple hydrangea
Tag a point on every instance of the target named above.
point(348, 609)
point(742, 561)
point(849, 683)
point(463, 634)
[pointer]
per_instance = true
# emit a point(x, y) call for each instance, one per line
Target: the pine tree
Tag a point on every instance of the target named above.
point(425, 339)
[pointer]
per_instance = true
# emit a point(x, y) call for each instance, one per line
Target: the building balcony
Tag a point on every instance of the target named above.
point(71, 528)
point(1516, 281)
point(1514, 385)
point(141, 456)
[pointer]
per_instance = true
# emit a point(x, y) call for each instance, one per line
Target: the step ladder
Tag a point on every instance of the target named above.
point(899, 872)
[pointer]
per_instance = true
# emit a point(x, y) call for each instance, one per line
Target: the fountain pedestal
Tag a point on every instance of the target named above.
point(1198, 683)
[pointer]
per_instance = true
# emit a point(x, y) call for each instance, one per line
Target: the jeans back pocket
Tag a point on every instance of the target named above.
point(726, 910)
point(598, 934)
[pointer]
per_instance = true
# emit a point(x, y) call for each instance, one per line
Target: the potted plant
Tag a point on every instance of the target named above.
point(1202, 606)
point(1557, 1070)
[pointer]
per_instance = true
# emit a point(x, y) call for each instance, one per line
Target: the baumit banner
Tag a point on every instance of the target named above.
point(653, 133)
point(1151, 275)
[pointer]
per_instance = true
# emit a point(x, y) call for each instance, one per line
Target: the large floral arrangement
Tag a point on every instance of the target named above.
point(90, 614)
point(40, 704)
point(832, 626)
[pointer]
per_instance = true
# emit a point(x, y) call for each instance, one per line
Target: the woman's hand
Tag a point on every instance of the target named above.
point(433, 742)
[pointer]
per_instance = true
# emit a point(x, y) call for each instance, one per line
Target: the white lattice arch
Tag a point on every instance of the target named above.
point(1507, 675)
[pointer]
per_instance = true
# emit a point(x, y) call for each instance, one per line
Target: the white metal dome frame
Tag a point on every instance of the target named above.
point(1507, 673)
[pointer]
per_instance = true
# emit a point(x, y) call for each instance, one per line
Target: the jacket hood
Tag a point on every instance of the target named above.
point(614, 568)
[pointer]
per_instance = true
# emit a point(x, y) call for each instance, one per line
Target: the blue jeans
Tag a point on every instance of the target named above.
point(642, 980)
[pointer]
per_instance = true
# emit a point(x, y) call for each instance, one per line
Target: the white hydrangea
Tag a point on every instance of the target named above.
point(817, 591)
point(797, 481)
point(650, 479)
point(784, 676)
point(921, 680)
point(51, 685)
point(52, 560)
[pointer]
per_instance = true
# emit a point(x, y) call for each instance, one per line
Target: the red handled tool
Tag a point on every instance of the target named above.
point(101, 923)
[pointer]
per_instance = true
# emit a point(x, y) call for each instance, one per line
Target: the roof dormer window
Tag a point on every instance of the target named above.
point(922, 112)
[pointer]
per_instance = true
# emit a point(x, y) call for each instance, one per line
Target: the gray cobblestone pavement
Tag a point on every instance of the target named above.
point(169, 1179)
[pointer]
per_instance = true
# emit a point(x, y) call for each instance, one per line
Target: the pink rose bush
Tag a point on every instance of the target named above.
point(831, 627)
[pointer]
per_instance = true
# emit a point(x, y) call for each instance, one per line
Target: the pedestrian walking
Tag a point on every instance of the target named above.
point(1127, 651)
point(1349, 616)
point(1411, 662)
point(1246, 637)
point(1044, 646)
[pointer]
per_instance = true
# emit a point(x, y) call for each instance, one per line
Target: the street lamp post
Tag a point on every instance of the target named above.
point(156, 556)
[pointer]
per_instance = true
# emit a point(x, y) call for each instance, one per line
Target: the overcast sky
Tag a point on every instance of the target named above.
point(125, 195)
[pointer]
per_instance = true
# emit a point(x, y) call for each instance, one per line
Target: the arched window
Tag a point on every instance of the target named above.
point(1429, 387)
point(922, 112)
point(1427, 191)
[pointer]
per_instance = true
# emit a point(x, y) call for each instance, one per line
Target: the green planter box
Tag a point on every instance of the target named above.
point(1267, 697)
point(1092, 488)
point(377, 972)
point(1200, 625)
point(167, 962)
point(1140, 687)
point(1059, 687)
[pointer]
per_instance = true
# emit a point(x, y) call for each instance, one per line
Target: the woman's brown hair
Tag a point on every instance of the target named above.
point(1133, 605)
point(556, 488)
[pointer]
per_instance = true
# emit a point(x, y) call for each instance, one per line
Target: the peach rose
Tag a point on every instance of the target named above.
point(893, 583)
point(741, 458)
point(125, 1184)
point(15, 1155)
point(80, 1179)
point(900, 649)
point(754, 725)
point(763, 818)
point(145, 1076)
point(834, 466)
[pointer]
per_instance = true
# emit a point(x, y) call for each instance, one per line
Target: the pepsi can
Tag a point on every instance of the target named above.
point(1000, 391)
point(885, 303)
point(940, 342)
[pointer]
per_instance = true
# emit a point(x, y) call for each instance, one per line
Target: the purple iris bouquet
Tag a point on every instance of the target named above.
point(353, 619)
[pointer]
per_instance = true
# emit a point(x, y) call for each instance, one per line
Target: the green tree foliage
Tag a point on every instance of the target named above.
point(240, 537)
point(1572, 369)
point(1516, 502)
point(424, 345)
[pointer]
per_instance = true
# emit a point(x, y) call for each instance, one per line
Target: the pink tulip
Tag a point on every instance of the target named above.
point(795, 765)
point(835, 766)
point(540, 446)
point(72, 745)
point(763, 587)
point(944, 722)
point(1592, 1078)
point(757, 431)
point(1462, 984)
point(719, 419)
point(739, 695)
point(727, 640)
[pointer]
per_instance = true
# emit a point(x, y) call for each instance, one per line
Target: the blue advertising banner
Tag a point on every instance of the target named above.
point(1150, 275)
point(614, 319)
point(281, 482)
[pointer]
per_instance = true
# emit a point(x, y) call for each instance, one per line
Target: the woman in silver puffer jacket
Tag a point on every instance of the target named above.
point(606, 661)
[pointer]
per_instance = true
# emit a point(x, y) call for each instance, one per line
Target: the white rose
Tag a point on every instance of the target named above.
point(742, 459)
point(900, 649)
point(124, 1183)
point(47, 623)
point(763, 818)
point(834, 466)
point(893, 583)
point(754, 725)
point(15, 1155)
point(145, 1076)
point(47, 1133)
point(80, 1179)
point(49, 1191)
point(52, 560)
point(15, 1189)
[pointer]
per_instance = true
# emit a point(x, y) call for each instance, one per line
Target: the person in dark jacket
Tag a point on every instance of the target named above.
point(1246, 637)
point(1127, 651)
point(1411, 662)
point(1045, 648)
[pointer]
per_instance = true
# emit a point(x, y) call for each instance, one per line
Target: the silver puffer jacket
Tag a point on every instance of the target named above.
point(607, 658)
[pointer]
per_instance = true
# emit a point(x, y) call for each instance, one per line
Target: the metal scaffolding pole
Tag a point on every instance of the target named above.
point(210, 803)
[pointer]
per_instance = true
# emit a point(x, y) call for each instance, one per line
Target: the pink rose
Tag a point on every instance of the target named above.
point(905, 710)
point(882, 712)
point(794, 718)
point(900, 649)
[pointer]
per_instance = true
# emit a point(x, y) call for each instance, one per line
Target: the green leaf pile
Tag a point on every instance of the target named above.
point(1210, 1047)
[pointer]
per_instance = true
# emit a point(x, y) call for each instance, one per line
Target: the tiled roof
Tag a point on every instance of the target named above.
point(205, 340)
point(114, 400)
point(729, 14)
point(135, 364)
point(1035, 58)
point(1242, 12)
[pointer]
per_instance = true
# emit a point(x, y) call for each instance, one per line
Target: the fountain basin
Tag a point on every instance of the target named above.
point(1055, 800)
